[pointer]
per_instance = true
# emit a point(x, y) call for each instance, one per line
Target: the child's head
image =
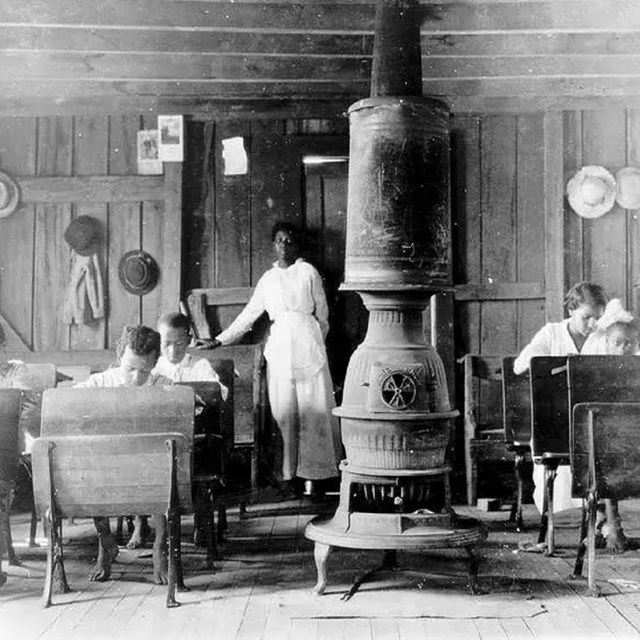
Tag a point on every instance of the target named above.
point(621, 339)
point(138, 351)
point(585, 302)
point(175, 336)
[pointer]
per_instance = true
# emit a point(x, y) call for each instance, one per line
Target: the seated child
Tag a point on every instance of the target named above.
point(174, 362)
point(620, 339)
point(137, 353)
point(616, 335)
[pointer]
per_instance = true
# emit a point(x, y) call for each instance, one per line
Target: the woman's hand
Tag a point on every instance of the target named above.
point(206, 343)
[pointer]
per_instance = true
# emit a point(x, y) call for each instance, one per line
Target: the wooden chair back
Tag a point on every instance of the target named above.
point(516, 396)
point(483, 392)
point(606, 449)
point(118, 410)
point(604, 379)
point(549, 407)
point(110, 475)
point(10, 404)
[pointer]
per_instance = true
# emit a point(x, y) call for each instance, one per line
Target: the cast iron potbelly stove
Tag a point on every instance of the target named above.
point(396, 416)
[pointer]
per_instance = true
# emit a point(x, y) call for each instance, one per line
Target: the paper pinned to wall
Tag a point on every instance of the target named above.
point(171, 144)
point(149, 163)
point(234, 155)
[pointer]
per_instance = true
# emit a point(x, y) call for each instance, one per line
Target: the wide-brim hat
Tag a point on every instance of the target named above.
point(592, 192)
point(628, 188)
point(84, 235)
point(9, 194)
point(138, 272)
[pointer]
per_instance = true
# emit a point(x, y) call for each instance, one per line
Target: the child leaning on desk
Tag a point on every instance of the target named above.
point(137, 352)
point(174, 362)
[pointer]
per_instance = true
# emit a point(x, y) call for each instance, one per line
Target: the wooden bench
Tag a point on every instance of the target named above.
point(10, 406)
point(213, 440)
point(114, 452)
point(483, 419)
point(516, 396)
point(605, 463)
point(549, 431)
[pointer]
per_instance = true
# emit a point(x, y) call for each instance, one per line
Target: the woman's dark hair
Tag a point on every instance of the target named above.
point(140, 339)
point(585, 293)
point(175, 321)
point(289, 227)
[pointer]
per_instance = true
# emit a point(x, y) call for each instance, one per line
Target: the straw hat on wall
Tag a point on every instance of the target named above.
point(592, 192)
point(628, 190)
point(9, 194)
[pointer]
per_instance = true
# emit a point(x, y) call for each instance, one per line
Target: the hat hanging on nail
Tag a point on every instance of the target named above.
point(138, 272)
point(9, 194)
point(592, 192)
point(84, 235)
point(628, 189)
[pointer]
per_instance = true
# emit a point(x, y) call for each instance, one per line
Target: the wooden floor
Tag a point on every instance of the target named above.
point(261, 589)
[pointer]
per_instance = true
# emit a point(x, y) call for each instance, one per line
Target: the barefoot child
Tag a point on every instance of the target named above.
point(137, 352)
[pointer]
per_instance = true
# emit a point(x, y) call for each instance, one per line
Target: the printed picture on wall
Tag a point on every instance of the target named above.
point(171, 147)
point(149, 163)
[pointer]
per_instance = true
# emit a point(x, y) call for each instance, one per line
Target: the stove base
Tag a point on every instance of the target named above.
point(326, 532)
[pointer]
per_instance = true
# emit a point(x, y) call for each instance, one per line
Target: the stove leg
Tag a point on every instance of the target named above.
point(320, 555)
point(474, 588)
point(389, 560)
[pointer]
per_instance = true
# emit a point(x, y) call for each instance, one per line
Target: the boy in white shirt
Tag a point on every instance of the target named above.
point(137, 352)
point(175, 363)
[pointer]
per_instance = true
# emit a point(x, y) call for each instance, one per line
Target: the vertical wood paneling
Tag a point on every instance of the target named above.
point(604, 143)
point(275, 189)
point(55, 156)
point(18, 157)
point(530, 222)
point(498, 207)
point(553, 216)
point(198, 185)
point(574, 258)
point(151, 240)
point(124, 226)
point(466, 165)
point(169, 250)
point(633, 221)
point(91, 144)
point(152, 215)
point(233, 213)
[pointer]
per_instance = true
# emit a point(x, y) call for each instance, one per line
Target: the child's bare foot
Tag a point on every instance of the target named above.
point(107, 553)
point(616, 542)
point(160, 564)
point(140, 533)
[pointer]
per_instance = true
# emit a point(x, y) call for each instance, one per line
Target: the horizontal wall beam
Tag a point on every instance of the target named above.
point(93, 189)
point(499, 291)
point(442, 17)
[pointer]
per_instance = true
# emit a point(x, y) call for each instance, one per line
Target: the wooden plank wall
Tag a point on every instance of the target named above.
point(516, 237)
point(498, 230)
point(34, 258)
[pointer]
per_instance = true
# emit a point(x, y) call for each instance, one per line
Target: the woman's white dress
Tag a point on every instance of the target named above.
point(298, 378)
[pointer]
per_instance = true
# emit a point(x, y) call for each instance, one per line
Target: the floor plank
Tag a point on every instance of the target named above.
point(260, 589)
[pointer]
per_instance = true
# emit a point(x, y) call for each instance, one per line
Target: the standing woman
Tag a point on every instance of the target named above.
point(298, 380)
point(585, 303)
